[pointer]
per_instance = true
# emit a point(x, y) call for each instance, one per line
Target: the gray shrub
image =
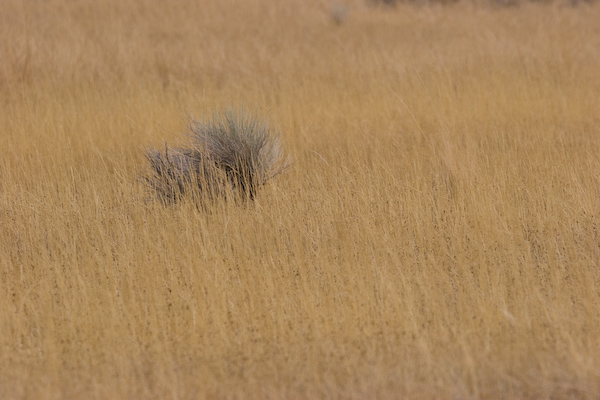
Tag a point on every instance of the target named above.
point(231, 155)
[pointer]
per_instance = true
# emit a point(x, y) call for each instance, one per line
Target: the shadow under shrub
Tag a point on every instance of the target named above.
point(231, 156)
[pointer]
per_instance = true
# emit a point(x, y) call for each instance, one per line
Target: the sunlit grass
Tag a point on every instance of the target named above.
point(435, 237)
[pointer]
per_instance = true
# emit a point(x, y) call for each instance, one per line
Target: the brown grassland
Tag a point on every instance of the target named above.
point(437, 236)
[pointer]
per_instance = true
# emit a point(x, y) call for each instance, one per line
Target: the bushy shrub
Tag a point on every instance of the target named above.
point(231, 155)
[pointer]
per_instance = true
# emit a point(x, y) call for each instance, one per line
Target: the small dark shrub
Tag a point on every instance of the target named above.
point(230, 156)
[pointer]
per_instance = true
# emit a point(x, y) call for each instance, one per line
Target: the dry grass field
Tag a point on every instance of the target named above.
point(437, 236)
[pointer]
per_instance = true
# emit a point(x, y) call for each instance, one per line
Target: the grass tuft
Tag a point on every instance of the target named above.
point(232, 155)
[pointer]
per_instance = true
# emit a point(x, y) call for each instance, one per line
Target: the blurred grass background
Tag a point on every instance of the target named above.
point(436, 237)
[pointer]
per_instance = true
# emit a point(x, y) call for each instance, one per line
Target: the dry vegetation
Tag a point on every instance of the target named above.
point(437, 236)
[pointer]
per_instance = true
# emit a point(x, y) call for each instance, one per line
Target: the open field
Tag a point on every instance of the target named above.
point(437, 237)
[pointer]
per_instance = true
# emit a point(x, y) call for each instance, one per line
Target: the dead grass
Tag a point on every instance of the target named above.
point(437, 236)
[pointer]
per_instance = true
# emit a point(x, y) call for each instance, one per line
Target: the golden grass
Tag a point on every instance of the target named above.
point(436, 238)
